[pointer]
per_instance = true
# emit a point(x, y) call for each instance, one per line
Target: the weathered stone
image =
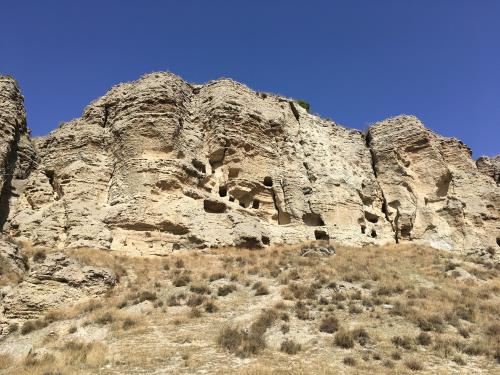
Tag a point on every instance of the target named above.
point(434, 194)
point(52, 282)
point(158, 164)
point(490, 167)
point(10, 255)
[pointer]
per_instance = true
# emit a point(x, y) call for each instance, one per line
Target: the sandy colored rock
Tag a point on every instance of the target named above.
point(490, 167)
point(434, 193)
point(52, 282)
point(158, 165)
point(11, 258)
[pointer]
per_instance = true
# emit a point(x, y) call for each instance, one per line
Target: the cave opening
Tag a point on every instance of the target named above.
point(222, 191)
point(268, 181)
point(321, 235)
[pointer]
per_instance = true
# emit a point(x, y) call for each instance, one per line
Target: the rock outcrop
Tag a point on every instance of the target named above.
point(11, 258)
point(51, 282)
point(159, 164)
point(490, 167)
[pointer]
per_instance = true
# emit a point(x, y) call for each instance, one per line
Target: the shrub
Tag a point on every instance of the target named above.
point(396, 355)
point(349, 361)
point(128, 323)
point(285, 328)
point(330, 324)
point(459, 360)
point(355, 309)
point(304, 104)
point(179, 263)
point(146, 296)
point(261, 290)
point(72, 329)
point(181, 280)
point(13, 327)
point(431, 323)
point(360, 335)
point(244, 343)
point(226, 289)
point(404, 342)
point(301, 311)
point(194, 313)
point(476, 348)
point(414, 365)
point(199, 288)
point(344, 339)
point(39, 256)
point(424, 339)
point(290, 347)
point(210, 307)
point(195, 300)
point(216, 276)
point(105, 318)
point(32, 325)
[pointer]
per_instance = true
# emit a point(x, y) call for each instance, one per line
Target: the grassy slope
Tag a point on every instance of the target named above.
point(396, 309)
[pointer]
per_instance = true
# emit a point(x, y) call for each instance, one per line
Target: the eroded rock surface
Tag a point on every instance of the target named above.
point(52, 282)
point(490, 167)
point(159, 164)
point(11, 259)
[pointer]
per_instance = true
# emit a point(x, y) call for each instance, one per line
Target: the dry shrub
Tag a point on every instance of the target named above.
point(195, 300)
point(105, 318)
point(261, 290)
point(414, 365)
point(290, 347)
point(344, 339)
point(181, 280)
point(33, 325)
point(404, 342)
point(349, 361)
point(330, 324)
point(226, 289)
point(301, 311)
point(216, 276)
point(423, 339)
point(199, 288)
point(194, 312)
point(5, 361)
point(77, 352)
point(211, 307)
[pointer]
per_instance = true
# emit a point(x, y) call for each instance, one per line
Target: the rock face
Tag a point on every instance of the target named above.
point(490, 167)
point(50, 283)
point(159, 164)
point(11, 258)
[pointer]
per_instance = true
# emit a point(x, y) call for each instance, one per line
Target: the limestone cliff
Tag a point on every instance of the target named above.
point(159, 164)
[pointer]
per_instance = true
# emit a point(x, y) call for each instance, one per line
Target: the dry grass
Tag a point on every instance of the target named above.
point(377, 310)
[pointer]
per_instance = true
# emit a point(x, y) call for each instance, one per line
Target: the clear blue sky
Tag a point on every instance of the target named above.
point(354, 61)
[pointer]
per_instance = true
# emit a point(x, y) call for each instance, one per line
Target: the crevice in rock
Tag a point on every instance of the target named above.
point(56, 187)
point(385, 210)
point(294, 111)
point(8, 173)
point(106, 115)
point(216, 159)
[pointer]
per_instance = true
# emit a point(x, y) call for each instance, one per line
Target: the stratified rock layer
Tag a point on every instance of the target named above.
point(158, 164)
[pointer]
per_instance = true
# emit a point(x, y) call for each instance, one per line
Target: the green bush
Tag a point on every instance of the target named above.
point(304, 104)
